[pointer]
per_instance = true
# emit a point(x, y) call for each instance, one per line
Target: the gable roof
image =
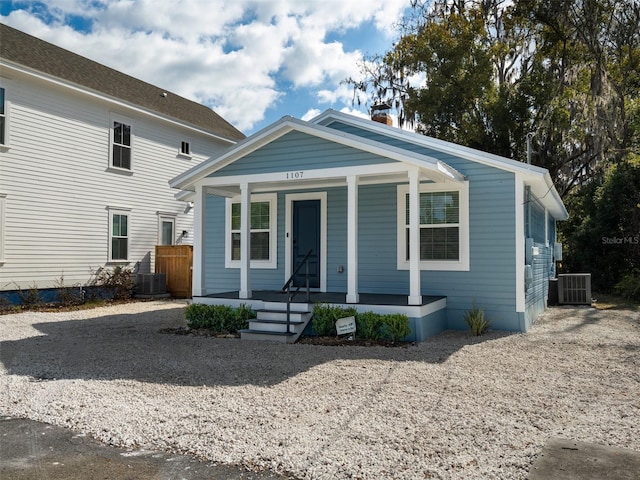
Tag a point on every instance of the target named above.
point(33, 53)
point(288, 124)
point(537, 177)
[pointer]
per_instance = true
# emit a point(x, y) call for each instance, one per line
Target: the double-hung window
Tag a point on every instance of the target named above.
point(263, 232)
point(121, 145)
point(3, 119)
point(444, 227)
point(119, 231)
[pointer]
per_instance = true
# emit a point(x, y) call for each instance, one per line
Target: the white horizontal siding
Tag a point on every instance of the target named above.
point(58, 187)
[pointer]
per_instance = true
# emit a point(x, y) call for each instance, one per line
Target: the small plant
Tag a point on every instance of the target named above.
point(395, 326)
point(629, 287)
point(69, 296)
point(476, 320)
point(118, 281)
point(325, 316)
point(369, 325)
point(218, 318)
point(30, 297)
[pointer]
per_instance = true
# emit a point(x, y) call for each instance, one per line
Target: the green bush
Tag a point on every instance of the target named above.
point(325, 316)
point(117, 281)
point(629, 286)
point(218, 318)
point(395, 326)
point(369, 325)
point(476, 320)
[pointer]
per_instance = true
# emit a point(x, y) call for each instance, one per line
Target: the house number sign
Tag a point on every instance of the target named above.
point(294, 175)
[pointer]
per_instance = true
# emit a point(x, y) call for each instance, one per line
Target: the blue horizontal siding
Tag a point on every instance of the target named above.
point(297, 151)
point(489, 284)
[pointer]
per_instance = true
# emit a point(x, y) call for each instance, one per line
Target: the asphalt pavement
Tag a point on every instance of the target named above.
point(32, 450)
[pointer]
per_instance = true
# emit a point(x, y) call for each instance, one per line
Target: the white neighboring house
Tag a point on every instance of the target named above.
point(85, 156)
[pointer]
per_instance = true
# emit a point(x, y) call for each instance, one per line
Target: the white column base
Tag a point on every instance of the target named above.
point(353, 298)
point(244, 294)
point(415, 300)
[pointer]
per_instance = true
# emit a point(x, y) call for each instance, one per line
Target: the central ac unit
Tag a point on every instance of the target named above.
point(151, 283)
point(574, 289)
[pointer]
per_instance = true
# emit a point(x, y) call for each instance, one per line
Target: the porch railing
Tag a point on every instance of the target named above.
point(292, 293)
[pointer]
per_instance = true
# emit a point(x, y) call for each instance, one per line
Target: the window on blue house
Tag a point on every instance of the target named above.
point(263, 232)
point(444, 227)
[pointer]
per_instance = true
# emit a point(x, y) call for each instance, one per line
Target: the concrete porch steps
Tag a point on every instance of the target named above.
point(271, 324)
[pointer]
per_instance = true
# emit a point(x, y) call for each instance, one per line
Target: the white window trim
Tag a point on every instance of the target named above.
point(117, 118)
point(7, 121)
point(462, 264)
point(272, 263)
point(166, 217)
point(3, 225)
point(119, 211)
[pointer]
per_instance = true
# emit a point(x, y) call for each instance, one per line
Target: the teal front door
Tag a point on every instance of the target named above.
point(306, 237)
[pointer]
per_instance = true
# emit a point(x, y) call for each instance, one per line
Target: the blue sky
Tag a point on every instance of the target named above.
point(253, 61)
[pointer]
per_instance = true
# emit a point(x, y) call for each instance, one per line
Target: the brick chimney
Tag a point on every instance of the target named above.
point(380, 113)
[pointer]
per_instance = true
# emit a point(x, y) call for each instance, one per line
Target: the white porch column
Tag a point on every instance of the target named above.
point(199, 214)
point(352, 239)
point(415, 298)
point(245, 241)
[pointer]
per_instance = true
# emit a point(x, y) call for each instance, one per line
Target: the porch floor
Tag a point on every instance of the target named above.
point(327, 297)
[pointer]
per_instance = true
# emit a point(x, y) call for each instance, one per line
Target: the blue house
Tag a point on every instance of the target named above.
point(380, 219)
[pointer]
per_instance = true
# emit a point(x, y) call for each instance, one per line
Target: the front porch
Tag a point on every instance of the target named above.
point(426, 319)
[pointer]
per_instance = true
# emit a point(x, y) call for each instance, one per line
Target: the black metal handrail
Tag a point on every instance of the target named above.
point(287, 286)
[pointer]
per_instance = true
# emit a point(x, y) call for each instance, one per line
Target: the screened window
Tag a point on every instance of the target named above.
point(439, 226)
point(121, 148)
point(119, 236)
point(3, 119)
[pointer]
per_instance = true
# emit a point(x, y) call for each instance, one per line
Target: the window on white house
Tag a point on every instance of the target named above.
point(121, 146)
point(263, 232)
point(119, 235)
point(185, 148)
point(3, 119)
point(167, 229)
point(3, 200)
point(443, 227)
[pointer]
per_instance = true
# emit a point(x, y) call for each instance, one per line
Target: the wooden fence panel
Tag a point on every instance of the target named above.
point(176, 261)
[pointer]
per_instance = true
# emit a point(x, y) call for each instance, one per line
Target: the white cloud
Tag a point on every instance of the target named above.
point(241, 57)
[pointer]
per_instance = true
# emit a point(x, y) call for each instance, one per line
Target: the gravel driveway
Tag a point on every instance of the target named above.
point(451, 407)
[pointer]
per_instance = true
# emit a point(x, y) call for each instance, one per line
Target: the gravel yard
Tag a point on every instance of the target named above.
point(452, 407)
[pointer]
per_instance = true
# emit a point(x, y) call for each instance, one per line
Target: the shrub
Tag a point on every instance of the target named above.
point(69, 296)
point(476, 321)
point(369, 325)
point(395, 326)
point(29, 297)
point(218, 318)
point(241, 317)
point(325, 316)
point(118, 281)
point(629, 286)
